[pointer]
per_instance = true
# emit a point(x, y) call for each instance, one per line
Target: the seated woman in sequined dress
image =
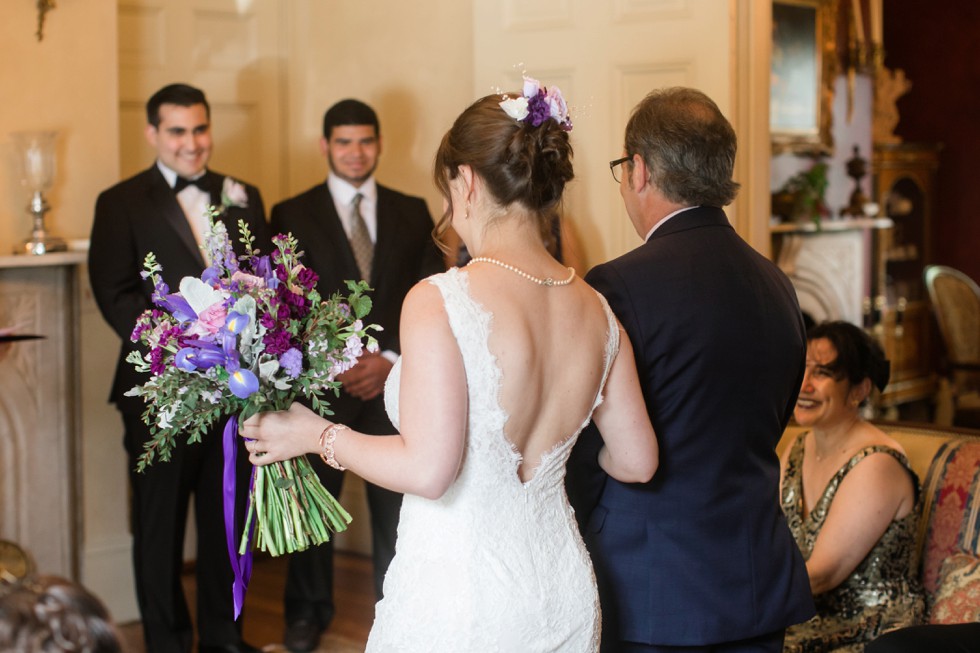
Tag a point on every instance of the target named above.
point(851, 499)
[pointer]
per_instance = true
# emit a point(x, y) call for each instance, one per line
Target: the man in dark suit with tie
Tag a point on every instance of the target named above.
point(351, 227)
point(161, 210)
point(700, 558)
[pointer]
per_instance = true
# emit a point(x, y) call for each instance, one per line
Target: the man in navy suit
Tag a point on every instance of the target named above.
point(161, 210)
point(351, 227)
point(700, 558)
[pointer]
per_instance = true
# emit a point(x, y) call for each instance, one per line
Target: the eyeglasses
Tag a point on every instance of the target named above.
point(614, 165)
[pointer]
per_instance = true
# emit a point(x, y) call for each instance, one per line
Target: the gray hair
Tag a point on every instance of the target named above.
point(687, 144)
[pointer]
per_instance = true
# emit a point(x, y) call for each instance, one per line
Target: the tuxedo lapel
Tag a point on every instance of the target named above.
point(161, 198)
point(214, 183)
point(385, 243)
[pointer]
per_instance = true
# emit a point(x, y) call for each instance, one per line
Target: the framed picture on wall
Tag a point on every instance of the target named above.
point(802, 76)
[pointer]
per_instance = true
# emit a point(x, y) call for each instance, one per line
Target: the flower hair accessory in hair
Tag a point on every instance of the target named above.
point(537, 104)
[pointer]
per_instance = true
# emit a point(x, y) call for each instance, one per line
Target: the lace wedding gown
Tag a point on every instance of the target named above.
point(495, 564)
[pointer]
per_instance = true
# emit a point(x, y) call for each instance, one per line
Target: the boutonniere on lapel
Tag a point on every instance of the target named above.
point(234, 194)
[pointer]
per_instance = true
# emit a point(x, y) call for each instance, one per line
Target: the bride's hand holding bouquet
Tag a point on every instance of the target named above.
point(252, 334)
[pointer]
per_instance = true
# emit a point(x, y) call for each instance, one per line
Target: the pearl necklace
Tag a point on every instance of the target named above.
point(541, 282)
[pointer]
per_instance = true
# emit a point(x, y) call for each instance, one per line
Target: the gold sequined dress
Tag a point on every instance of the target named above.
point(881, 594)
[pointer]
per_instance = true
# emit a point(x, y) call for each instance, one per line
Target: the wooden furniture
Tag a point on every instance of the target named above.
point(905, 189)
point(955, 299)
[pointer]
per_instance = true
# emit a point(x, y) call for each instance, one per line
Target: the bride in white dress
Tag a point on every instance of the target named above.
point(503, 363)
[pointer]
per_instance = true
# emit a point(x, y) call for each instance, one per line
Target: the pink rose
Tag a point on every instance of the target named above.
point(210, 320)
point(248, 280)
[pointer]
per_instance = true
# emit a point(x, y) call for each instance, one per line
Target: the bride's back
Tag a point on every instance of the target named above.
point(549, 343)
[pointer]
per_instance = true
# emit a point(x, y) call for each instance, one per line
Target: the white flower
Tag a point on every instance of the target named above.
point(199, 295)
point(515, 107)
point(233, 194)
point(531, 86)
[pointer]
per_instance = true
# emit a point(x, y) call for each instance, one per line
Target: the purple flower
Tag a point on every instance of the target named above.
point(243, 383)
point(200, 355)
point(177, 306)
point(236, 322)
point(143, 324)
point(307, 277)
point(294, 299)
point(262, 267)
point(537, 109)
point(184, 359)
point(211, 276)
point(276, 342)
point(292, 362)
point(157, 366)
point(267, 320)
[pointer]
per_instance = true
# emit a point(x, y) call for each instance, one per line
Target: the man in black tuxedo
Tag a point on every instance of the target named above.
point(700, 558)
point(161, 210)
point(351, 227)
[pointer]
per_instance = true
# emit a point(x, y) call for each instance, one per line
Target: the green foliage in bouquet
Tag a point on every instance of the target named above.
point(252, 334)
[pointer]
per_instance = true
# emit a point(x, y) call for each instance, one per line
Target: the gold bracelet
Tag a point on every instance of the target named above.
point(327, 439)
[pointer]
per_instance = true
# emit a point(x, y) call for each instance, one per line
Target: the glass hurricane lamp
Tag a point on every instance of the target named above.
point(36, 166)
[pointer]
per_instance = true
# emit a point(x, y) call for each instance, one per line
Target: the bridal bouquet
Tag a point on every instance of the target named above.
point(251, 335)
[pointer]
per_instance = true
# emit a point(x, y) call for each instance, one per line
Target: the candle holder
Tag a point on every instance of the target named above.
point(36, 166)
point(857, 168)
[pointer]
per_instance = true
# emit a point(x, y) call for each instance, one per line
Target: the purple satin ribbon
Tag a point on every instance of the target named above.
point(241, 566)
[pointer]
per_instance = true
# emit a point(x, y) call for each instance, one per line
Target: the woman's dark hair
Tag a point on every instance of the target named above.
point(518, 162)
point(859, 356)
point(49, 614)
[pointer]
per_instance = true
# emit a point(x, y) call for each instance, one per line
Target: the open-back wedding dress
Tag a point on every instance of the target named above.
point(495, 564)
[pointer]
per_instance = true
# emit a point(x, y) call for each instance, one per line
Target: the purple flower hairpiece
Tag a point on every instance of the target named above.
point(536, 104)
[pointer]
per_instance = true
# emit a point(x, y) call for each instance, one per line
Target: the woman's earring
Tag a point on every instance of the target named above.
point(466, 214)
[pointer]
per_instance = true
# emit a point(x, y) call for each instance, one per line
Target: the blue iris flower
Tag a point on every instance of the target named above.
point(243, 383)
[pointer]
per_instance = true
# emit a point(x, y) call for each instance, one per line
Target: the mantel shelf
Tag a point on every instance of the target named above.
point(829, 224)
point(30, 261)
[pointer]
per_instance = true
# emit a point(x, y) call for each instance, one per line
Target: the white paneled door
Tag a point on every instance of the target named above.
point(228, 48)
point(605, 56)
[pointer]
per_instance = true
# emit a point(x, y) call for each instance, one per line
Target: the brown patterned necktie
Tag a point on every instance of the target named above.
point(360, 239)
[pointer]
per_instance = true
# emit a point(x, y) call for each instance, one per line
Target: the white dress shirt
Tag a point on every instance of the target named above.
point(194, 202)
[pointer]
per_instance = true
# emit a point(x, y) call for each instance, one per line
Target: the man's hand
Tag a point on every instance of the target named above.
point(366, 380)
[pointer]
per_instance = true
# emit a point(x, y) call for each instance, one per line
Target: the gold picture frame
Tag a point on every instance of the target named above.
point(804, 68)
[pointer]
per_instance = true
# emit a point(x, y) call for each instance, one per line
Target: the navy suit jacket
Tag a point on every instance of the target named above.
point(141, 215)
point(701, 554)
point(404, 254)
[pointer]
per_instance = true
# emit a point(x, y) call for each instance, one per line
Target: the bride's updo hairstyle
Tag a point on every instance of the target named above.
point(518, 144)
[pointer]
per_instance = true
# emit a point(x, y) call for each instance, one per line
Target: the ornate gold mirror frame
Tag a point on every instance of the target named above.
point(804, 68)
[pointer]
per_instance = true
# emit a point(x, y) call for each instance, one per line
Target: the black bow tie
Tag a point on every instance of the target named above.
point(184, 182)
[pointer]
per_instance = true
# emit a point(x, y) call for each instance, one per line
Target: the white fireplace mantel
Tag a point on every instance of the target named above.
point(40, 484)
point(831, 266)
